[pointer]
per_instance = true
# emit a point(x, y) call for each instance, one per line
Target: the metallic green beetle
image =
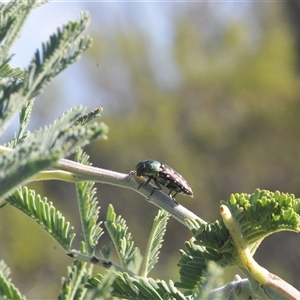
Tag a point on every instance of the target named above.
point(162, 175)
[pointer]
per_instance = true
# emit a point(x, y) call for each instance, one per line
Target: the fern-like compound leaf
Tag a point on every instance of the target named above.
point(7, 289)
point(44, 214)
point(155, 242)
point(122, 239)
point(89, 209)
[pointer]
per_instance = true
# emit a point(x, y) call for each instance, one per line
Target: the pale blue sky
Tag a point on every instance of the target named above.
point(152, 18)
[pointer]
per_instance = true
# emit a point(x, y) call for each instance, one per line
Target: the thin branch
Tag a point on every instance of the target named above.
point(75, 172)
point(129, 181)
point(97, 261)
point(248, 288)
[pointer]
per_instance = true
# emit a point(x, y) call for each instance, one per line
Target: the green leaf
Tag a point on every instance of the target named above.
point(7, 289)
point(12, 18)
point(263, 213)
point(192, 265)
point(127, 287)
point(63, 49)
point(73, 287)
point(154, 242)
point(25, 114)
point(212, 237)
point(42, 149)
point(44, 214)
point(102, 289)
point(106, 250)
point(257, 215)
point(89, 117)
point(59, 52)
point(214, 280)
point(9, 73)
point(10, 102)
point(118, 231)
point(89, 211)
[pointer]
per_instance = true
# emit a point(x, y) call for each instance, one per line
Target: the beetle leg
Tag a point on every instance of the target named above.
point(173, 196)
point(144, 183)
point(131, 173)
point(158, 186)
point(148, 180)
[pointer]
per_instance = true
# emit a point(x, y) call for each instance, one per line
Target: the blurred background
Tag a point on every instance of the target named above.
point(210, 88)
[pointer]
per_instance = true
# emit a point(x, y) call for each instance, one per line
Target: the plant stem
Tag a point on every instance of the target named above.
point(259, 273)
point(158, 198)
point(68, 170)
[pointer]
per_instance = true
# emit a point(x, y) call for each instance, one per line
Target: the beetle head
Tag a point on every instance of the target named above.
point(147, 167)
point(140, 167)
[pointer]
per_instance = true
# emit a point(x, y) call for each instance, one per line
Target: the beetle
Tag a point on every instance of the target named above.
point(162, 175)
